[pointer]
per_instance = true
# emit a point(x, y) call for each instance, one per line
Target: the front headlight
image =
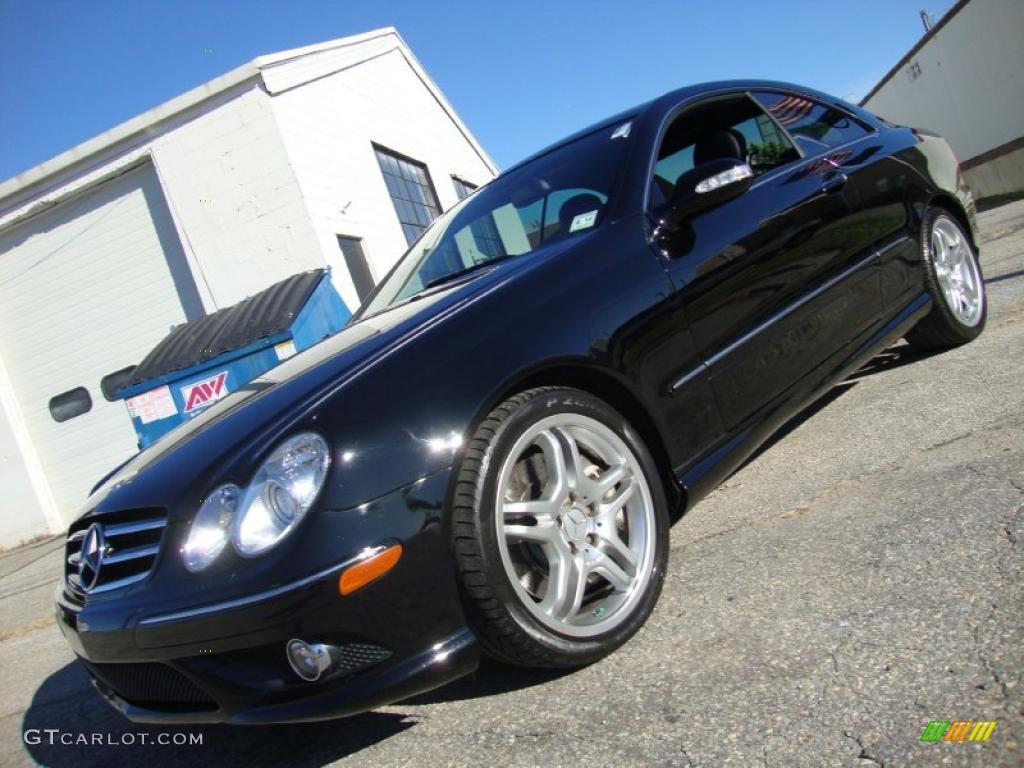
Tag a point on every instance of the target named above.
point(281, 493)
point(210, 528)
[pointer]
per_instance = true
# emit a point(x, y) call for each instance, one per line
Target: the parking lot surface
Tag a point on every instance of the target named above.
point(858, 579)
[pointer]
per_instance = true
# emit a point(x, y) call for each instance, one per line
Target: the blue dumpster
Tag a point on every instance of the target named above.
point(202, 360)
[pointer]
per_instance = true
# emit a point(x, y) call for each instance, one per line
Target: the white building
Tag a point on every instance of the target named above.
point(963, 80)
point(336, 154)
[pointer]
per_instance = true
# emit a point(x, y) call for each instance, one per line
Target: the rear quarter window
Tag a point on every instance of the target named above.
point(805, 117)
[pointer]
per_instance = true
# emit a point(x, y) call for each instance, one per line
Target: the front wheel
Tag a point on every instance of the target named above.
point(952, 276)
point(559, 529)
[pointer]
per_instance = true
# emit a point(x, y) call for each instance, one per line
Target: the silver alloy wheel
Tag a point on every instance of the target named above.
point(576, 525)
point(957, 271)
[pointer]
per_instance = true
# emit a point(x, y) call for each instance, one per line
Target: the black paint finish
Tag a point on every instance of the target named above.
point(707, 337)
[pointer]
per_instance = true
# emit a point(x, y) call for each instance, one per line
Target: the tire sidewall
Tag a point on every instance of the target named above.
point(567, 650)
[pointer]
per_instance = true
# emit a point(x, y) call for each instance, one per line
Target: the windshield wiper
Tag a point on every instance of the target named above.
point(459, 273)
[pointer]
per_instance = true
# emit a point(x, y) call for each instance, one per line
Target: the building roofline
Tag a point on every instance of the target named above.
point(252, 70)
point(948, 17)
point(442, 100)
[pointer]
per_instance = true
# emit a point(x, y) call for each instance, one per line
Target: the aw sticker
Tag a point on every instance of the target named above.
point(204, 392)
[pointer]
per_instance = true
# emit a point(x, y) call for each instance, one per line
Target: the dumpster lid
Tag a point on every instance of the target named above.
point(268, 313)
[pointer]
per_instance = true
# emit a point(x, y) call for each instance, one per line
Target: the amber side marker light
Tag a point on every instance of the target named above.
point(372, 568)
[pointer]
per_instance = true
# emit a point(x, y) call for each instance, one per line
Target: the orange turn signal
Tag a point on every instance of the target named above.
point(362, 573)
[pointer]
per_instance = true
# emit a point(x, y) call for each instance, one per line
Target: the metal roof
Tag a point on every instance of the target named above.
point(269, 313)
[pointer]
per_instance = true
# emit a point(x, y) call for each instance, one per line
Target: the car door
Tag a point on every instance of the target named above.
point(857, 150)
point(769, 281)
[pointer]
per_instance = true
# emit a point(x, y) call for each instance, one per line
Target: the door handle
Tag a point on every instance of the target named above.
point(834, 183)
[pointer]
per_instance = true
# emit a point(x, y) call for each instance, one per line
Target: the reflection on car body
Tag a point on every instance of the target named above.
point(488, 456)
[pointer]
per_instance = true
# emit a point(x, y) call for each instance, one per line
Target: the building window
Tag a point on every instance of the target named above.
point(462, 188)
point(358, 269)
point(411, 191)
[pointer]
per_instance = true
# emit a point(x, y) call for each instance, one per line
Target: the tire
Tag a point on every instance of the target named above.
point(522, 586)
point(953, 278)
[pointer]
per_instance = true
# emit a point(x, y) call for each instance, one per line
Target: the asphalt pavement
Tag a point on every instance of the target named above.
point(858, 579)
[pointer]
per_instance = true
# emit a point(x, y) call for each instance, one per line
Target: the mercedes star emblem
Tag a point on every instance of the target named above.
point(91, 557)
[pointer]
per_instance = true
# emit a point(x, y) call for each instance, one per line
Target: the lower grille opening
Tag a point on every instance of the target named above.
point(152, 685)
point(356, 656)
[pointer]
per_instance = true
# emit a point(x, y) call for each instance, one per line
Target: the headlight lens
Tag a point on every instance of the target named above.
point(210, 528)
point(281, 493)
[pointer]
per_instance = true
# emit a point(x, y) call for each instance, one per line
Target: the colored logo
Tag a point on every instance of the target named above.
point(204, 392)
point(958, 730)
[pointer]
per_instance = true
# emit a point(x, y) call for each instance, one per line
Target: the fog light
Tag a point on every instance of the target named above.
point(310, 660)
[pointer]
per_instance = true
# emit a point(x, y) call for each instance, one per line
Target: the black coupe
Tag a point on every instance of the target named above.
point(488, 457)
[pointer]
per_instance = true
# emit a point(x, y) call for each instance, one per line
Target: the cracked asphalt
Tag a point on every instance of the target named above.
point(857, 579)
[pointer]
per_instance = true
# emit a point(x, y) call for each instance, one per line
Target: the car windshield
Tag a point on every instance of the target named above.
point(561, 194)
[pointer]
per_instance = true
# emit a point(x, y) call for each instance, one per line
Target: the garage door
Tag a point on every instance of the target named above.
point(85, 289)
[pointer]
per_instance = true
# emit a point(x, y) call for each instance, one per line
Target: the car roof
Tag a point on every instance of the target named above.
point(667, 101)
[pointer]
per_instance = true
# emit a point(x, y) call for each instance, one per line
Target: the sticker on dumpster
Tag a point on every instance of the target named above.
point(202, 393)
point(152, 406)
point(285, 349)
point(163, 403)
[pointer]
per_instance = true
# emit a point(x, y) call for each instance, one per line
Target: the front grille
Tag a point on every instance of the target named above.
point(151, 685)
point(121, 549)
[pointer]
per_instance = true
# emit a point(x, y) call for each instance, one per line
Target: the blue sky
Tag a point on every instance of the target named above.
point(521, 73)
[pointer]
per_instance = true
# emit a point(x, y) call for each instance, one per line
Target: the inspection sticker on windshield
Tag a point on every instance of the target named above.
point(583, 221)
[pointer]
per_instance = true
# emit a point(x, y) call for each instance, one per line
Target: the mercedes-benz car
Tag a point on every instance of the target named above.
point(488, 457)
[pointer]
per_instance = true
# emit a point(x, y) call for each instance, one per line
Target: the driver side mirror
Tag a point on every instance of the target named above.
point(707, 186)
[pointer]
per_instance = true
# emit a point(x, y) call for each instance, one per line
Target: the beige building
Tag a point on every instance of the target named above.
point(965, 80)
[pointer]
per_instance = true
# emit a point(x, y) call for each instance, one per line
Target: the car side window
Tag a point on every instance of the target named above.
point(734, 127)
point(807, 119)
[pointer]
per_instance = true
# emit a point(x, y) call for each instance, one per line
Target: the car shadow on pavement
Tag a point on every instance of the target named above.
point(1007, 276)
point(491, 679)
point(833, 394)
point(67, 701)
point(894, 357)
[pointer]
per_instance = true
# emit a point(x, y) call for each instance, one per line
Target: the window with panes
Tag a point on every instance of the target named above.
point(411, 190)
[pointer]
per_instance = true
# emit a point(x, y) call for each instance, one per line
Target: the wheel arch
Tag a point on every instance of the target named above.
point(950, 204)
point(605, 385)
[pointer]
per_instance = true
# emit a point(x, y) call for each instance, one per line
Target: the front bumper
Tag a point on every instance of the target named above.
point(225, 661)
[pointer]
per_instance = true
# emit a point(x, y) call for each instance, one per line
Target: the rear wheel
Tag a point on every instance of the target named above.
point(953, 278)
point(559, 529)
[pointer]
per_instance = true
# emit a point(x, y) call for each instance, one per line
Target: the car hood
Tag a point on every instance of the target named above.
point(281, 392)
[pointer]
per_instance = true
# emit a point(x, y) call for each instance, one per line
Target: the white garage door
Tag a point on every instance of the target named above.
point(88, 288)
